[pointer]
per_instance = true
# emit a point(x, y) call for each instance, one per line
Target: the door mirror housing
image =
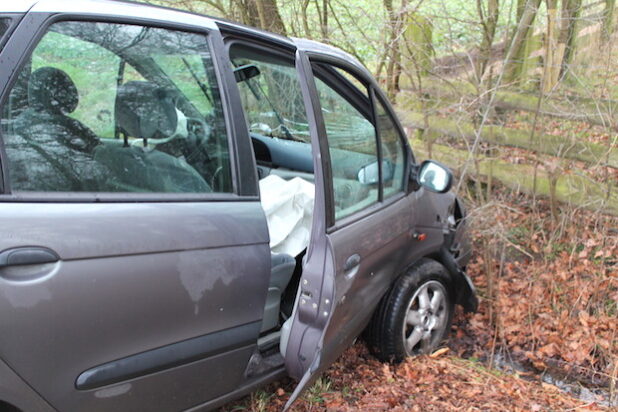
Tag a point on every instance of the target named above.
point(370, 174)
point(434, 176)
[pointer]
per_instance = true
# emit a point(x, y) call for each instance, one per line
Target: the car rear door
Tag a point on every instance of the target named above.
point(133, 273)
point(361, 231)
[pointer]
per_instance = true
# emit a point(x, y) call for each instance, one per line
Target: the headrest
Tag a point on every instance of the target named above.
point(52, 90)
point(145, 110)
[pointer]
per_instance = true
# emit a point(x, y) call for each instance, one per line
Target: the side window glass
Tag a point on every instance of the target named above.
point(271, 95)
point(102, 107)
point(70, 54)
point(393, 153)
point(353, 152)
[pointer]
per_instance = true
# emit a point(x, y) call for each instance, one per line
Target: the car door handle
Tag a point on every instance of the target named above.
point(352, 262)
point(29, 255)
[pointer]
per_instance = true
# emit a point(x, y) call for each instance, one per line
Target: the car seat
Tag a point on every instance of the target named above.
point(51, 151)
point(146, 111)
point(281, 272)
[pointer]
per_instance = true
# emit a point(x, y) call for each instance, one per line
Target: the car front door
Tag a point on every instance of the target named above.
point(363, 219)
point(134, 257)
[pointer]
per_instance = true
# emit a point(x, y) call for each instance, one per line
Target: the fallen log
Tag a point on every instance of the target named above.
point(571, 188)
point(590, 153)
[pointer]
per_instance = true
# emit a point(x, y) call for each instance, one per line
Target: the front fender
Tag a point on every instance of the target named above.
point(465, 292)
point(455, 254)
point(444, 212)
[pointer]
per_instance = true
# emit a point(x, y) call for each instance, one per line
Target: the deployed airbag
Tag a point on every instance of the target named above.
point(288, 205)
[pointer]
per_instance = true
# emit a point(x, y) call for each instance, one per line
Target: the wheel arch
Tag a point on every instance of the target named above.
point(465, 293)
point(8, 407)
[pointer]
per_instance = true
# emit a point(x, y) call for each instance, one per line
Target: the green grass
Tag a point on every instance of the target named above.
point(315, 394)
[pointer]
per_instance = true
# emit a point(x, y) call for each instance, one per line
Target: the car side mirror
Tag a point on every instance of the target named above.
point(246, 72)
point(370, 174)
point(434, 176)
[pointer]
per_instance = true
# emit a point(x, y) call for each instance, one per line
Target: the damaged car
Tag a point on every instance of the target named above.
point(192, 208)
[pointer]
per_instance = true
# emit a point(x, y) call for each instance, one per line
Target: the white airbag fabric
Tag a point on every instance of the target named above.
point(288, 205)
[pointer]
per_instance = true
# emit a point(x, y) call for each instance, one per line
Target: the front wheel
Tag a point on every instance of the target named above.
point(414, 317)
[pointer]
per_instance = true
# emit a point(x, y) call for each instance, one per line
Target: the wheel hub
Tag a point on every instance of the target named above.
point(426, 318)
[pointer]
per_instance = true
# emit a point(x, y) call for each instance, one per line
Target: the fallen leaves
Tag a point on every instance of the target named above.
point(560, 307)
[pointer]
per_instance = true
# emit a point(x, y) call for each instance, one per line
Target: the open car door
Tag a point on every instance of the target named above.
point(354, 253)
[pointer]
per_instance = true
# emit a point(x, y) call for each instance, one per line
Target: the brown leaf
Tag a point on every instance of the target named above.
point(439, 353)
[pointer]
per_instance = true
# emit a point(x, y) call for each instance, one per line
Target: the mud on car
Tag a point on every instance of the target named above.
point(191, 208)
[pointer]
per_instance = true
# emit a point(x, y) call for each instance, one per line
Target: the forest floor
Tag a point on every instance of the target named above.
point(545, 336)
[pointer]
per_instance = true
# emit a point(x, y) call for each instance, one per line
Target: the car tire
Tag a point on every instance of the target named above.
point(414, 317)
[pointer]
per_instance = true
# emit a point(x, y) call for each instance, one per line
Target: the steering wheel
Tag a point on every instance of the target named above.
point(199, 131)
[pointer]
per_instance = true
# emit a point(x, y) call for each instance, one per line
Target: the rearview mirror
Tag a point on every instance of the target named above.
point(246, 72)
point(435, 177)
point(370, 174)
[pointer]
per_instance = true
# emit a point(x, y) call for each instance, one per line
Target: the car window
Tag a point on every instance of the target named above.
point(70, 54)
point(393, 153)
point(272, 98)
point(102, 107)
point(186, 71)
point(353, 151)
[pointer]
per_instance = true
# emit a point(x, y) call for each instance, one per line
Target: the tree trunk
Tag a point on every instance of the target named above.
point(527, 10)
point(418, 44)
point(393, 54)
point(608, 19)
point(324, 20)
point(568, 33)
point(270, 18)
point(488, 24)
point(550, 47)
point(305, 18)
point(248, 13)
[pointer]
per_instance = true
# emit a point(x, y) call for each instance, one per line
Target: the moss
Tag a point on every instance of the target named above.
point(571, 188)
point(590, 153)
point(593, 111)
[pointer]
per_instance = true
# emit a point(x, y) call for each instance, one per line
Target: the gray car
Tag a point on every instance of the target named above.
point(191, 208)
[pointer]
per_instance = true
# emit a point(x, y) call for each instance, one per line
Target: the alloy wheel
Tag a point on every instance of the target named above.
point(426, 318)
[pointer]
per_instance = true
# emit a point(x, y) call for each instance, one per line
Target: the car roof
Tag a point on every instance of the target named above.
point(165, 14)
point(16, 6)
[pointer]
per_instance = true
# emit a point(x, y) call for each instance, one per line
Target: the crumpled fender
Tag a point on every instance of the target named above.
point(465, 290)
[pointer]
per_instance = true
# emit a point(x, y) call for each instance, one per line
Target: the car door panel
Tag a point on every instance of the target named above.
point(359, 294)
point(131, 278)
